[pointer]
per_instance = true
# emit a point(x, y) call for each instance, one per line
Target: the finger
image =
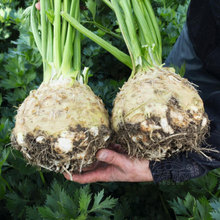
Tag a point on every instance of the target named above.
point(97, 164)
point(112, 157)
point(91, 166)
point(37, 5)
point(99, 175)
point(67, 176)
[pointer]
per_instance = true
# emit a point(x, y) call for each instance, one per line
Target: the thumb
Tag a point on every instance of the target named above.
point(111, 157)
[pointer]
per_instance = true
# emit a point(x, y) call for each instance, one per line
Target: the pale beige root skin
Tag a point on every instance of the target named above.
point(155, 107)
point(69, 120)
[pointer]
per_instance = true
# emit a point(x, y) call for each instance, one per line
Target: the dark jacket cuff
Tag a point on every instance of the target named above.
point(177, 169)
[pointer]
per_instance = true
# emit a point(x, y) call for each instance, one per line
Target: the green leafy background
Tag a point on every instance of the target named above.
point(30, 193)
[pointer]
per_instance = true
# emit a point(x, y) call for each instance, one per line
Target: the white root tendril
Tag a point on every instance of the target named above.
point(83, 158)
point(47, 168)
point(172, 136)
point(83, 142)
point(128, 145)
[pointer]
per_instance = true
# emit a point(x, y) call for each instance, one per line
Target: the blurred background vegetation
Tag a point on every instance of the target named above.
point(30, 193)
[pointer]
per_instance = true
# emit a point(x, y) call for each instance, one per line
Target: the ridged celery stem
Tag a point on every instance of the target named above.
point(123, 29)
point(50, 43)
point(77, 48)
point(64, 24)
point(149, 34)
point(44, 35)
point(49, 37)
point(130, 23)
point(51, 4)
point(157, 48)
point(104, 29)
point(139, 12)
point(155, 25)
point(34, 28)
point(77, 55)
point(67, 53)
point(57, 37)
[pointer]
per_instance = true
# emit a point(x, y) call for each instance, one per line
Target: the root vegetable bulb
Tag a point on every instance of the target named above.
point(61, 127)
point(62, 124)
point(157, 113)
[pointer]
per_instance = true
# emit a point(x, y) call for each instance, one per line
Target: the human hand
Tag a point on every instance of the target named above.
point(114, 167)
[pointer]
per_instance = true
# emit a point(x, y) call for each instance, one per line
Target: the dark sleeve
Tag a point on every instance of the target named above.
point(215, 8)
point(190, 165)
point(202, 22)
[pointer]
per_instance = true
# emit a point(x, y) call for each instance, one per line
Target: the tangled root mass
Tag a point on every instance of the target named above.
point(43, 151)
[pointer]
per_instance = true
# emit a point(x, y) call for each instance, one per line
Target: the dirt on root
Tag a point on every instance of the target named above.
point(158, 145)
point(44, 154)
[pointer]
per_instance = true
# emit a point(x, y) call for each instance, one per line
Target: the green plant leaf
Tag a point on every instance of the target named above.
point(91, 5)
point(104, 206)
point(215, 215)
point(47, 213)
point(189, 202)
point(84, 199)
point(216, 209)
point(32, 214)
point(3, 158)
point(215, 204)
point(179, 206)
point(204, 209)
point(15, 204)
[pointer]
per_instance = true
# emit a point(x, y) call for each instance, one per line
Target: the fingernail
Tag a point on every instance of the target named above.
point(102, 156)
